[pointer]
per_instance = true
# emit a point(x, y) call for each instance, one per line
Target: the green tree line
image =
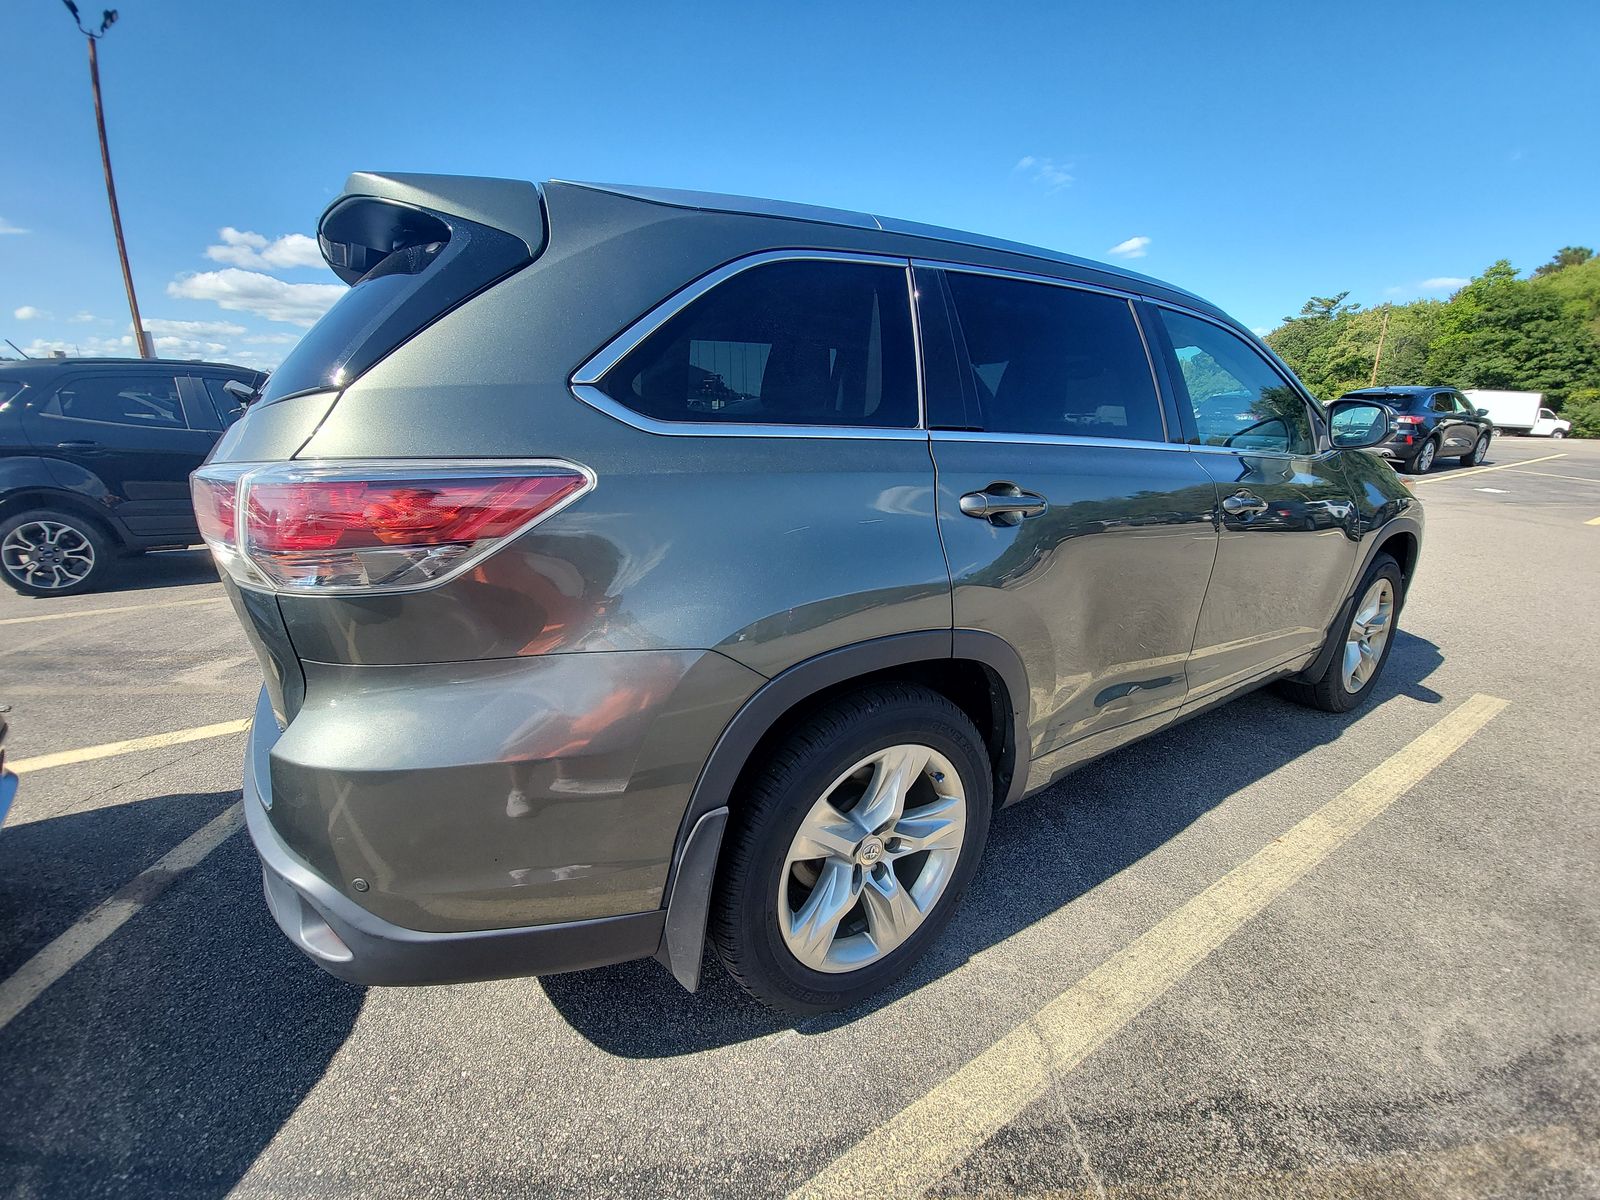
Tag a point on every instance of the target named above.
point(1539, 333)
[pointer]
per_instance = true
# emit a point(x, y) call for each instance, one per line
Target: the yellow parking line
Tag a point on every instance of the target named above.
point(910, 1152)
point(1568, 478)
point(1596, 521)
point(77, 943)
point(102, 612)
point(131, 746)
point(1481, 470)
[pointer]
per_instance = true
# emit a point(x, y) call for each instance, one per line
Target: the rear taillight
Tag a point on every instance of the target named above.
point(1405, 420)
point(353, 526)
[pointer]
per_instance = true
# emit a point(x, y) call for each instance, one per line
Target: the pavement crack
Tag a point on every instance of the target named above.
point(1083, 1156)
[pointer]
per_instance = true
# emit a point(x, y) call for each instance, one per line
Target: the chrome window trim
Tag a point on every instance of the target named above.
point(1051, 439)
point(585, 380)
point(1130, 298)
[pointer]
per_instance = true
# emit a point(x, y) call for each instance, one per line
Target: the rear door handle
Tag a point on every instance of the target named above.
point(1243, 504)
point(1003, 504)
point(78, 445)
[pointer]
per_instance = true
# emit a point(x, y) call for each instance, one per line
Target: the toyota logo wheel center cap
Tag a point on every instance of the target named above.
point(870, 851)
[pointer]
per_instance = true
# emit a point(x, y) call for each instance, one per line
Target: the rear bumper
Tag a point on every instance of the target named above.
point(346, 940)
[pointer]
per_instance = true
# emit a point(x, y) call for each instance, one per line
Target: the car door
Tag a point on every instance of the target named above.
point(1289, 529)
point(1074, 528)
point(1455, 434)
point(128, 430)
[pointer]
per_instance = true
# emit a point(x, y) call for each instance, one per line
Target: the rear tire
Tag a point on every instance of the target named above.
point(44, 552)
point(1354, 669)
point(811, 933)
point(1422, 462)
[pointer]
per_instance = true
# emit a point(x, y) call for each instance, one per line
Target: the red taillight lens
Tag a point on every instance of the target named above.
point(215, 509)
point(1404, 420)
point(359, 526)
point(340, 514)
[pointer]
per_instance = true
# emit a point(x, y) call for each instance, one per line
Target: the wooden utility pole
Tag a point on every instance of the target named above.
point(108, 19)
point(1383, 332)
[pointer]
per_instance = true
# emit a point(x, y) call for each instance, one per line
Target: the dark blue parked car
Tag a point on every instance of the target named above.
point(95, 455)
point(1431, 423)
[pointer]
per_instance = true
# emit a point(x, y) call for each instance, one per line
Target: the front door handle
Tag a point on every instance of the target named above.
point(1244, 504)
point(1003, 504)
point(79, 445)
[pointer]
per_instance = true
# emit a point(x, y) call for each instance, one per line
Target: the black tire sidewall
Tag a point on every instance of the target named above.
point(103, 552)
point(751, 896)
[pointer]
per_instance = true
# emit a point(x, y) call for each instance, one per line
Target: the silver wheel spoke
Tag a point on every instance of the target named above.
point(825, 833)
point(936, 826)
point(892, 776)
point(817, 923)
point(892, 915)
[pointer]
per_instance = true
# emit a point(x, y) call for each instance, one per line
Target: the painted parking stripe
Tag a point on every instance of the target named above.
point(910, 1152)
point(105, 612)
point(1594, 521)
point(1481, 470)
point(155, 741)
point(72, 947)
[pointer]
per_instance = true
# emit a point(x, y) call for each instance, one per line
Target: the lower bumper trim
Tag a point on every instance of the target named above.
point(346, 940)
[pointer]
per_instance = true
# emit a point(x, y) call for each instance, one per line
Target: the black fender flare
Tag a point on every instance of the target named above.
point(1376, 539)
point(688, 890)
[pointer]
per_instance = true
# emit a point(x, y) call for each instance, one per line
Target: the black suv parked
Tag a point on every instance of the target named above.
point(95, 456)
point(1431, 423)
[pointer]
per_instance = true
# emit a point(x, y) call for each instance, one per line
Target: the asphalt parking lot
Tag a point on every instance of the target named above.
point(1271, 952)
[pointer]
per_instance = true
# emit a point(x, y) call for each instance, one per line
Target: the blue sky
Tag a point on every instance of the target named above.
point(1256, 154)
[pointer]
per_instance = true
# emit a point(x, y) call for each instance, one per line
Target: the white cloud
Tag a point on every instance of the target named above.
point(1048, 171)
point(1260, 330)
point(1134, 247)
point(193, 329)
point(7, 227)
point(241, 248)
point(91, 347)
point(253, 292)
point(82, 318)
point(1443, 283)
point(272, 339)
point(29, 313)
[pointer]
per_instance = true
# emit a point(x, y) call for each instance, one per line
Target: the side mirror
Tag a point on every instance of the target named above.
point(242, 392)
point(1483, 412)
point(1359, 424)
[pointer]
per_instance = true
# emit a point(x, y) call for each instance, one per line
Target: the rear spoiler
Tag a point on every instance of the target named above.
point(380, 214)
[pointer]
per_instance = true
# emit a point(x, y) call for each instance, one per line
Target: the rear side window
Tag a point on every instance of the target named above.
point(1239, 399)
point(144, 401)
point(1442, 403)
point(229, 407)
point(1055, 360)
point(785, 343)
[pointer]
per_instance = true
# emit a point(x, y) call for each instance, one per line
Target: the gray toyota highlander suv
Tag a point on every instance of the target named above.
point(632, 567)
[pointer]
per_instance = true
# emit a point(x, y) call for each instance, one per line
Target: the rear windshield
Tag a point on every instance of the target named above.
point(405, 292)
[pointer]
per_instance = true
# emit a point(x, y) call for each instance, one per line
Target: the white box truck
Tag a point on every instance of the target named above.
point(1519, 412)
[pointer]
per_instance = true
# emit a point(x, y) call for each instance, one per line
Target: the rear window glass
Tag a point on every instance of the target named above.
point(145, 402)
point(787, 343)
point(1055, 360)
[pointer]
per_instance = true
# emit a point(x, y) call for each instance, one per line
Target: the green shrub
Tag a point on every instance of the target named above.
point(1582, 408)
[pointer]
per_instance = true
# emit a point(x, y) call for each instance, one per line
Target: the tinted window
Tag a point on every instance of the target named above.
point(788, 343)
point(145, 401)
point(1055, 360)
point(1441, 403)
point(8, 389)
point(1239, 400)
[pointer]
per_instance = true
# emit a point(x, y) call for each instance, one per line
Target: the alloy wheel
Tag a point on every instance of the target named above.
point(1369, 634)
point(1425, 458)
point(871, 858)
point(1480, 451)
point(47, 554)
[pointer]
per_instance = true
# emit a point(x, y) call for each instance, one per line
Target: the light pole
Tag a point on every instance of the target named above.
point(108, 18)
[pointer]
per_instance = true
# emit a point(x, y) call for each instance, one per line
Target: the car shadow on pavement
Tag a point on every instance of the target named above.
point(1086, 829)
point(165, 1061)
point(162, 568)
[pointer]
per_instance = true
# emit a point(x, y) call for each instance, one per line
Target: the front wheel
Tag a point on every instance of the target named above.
point(48, 553)
point(849, 854)
point(1479, 452)
point(1558, 434)
point(1364, 645)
